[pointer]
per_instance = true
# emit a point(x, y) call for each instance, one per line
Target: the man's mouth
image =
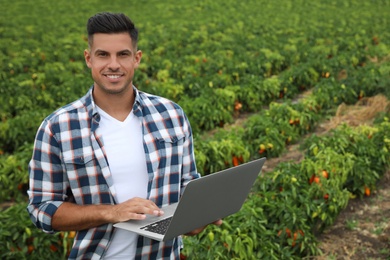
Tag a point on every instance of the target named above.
point(113, 76)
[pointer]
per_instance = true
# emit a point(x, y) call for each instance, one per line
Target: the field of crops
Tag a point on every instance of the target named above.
point(219, 60)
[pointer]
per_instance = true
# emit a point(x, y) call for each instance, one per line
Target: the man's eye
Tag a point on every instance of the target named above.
point(102, 54)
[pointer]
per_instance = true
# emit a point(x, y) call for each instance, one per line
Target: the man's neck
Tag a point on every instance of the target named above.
point(116, 105)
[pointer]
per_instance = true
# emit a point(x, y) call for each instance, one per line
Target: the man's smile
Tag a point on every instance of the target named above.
point(113, 77)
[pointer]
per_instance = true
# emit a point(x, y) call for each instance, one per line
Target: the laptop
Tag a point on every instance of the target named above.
point(203, 201)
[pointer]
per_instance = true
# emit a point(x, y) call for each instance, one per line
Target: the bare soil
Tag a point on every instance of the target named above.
point(362, 230)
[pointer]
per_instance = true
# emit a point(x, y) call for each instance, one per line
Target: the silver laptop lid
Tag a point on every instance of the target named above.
point(213, 197)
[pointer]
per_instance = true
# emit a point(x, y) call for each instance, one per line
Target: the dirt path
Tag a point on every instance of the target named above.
point(362, 231)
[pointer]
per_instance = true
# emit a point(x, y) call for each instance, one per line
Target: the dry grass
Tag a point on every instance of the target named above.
point(363, 112)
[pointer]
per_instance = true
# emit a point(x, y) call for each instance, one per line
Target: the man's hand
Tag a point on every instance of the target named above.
point(198, 230)
point(135, 208)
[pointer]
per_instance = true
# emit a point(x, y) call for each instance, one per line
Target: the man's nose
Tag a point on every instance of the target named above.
point(114, 63)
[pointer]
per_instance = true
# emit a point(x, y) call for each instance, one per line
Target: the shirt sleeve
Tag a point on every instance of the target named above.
point(189, 166)
point(47, 189)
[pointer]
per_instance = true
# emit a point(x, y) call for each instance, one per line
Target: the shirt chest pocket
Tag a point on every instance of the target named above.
point(170, 153)
point(79, 164)
point(86, 181)
point(170, 157)
point(169, 146)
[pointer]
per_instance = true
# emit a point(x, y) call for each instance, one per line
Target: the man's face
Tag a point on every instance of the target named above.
point(112, 59)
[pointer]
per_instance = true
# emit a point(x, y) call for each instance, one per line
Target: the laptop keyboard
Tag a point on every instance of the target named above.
point(159, 227)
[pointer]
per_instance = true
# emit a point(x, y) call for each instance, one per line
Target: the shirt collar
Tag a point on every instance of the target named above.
point(92, 104)
point(137, 106)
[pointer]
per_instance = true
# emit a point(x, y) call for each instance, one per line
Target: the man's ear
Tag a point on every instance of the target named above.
point(87, 56)
point(138, 57)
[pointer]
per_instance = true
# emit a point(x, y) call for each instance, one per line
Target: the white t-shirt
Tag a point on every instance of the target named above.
point(123, 144)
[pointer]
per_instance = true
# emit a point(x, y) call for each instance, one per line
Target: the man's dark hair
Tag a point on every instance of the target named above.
point(111, 23)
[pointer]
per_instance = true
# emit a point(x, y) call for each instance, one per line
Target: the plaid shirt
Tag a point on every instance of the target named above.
point(69, 164)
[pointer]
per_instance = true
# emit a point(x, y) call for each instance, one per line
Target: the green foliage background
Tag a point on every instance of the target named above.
point(207, 55)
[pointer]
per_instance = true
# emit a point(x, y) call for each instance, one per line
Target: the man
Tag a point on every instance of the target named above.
point(113, 155)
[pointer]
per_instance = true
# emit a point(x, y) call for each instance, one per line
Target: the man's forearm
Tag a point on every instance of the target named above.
point(75, 217)
point(70, 216)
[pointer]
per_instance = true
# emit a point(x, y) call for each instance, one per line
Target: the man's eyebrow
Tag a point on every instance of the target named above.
point(99, 50)
point(119, 52)
point(125, 51)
